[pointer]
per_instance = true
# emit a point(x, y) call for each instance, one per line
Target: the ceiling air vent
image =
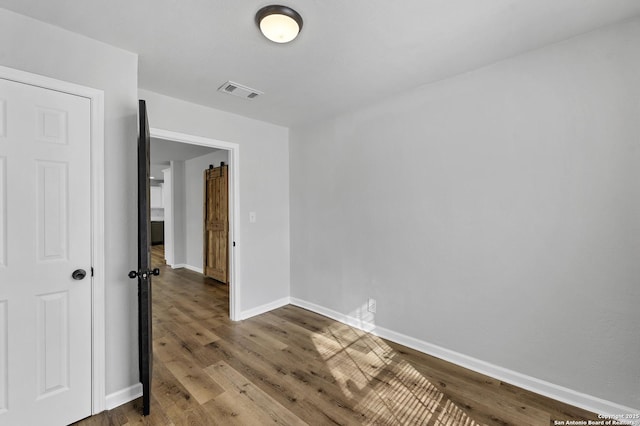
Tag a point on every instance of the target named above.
point(239, 90)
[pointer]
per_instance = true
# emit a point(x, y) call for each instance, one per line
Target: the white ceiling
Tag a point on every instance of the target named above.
point(164, 151)
point(350, 52)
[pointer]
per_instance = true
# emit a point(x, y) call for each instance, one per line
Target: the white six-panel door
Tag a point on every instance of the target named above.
point(45, 234)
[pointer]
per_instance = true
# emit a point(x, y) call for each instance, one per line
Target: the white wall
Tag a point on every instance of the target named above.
point(32, 46)
point(194, 191)
point(168, 215)
point(264, 189)
point(179, 212)
point(496, 214)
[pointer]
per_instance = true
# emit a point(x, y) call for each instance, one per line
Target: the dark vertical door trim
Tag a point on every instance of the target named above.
point(145, 348)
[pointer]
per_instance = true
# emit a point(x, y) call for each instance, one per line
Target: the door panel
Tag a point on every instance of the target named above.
point(52, 339)
point(4, 357)
point(216, 223)
point(3, 203)
point(52, 202)
point(45, 234)
point(145, 346)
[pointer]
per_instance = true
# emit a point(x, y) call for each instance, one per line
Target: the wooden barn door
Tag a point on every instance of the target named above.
point(216, 223)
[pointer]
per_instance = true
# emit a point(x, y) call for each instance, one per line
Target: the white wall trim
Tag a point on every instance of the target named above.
point(189, 267)
point(560, 393)
point(234, 204)
point(265, 308)
point(96, 98)
point(123, 396)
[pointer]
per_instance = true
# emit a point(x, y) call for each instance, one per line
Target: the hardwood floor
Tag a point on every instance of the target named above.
point(157, 255)
point(293, 367)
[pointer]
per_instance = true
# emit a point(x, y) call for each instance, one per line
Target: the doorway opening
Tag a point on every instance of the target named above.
point(230, 151)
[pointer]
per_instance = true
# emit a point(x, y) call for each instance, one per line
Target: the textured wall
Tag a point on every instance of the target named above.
point(496, 214)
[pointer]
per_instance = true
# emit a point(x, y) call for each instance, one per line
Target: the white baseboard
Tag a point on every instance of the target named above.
point(264, 308)
point(194, 269)
point(123, 396)
point(560, 393)
point(189, 267)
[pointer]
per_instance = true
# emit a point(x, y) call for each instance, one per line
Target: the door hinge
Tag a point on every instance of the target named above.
point(234, 243)
point(92, 272)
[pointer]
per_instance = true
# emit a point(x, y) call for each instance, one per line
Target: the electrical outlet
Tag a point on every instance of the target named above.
point(371, 305)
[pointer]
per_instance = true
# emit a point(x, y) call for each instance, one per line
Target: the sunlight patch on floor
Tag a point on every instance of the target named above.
point(382, 385)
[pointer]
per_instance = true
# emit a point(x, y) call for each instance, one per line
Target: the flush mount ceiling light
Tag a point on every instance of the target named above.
point(280, 24)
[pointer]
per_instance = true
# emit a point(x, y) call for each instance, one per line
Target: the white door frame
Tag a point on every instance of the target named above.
point(234, 205)
point(96, 97)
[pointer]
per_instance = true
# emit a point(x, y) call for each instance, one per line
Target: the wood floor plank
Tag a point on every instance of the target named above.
point(293, 393)
point(291, 366)
point(252, 397)
point(198, 384)
point(170, 394)
point(228, 409)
